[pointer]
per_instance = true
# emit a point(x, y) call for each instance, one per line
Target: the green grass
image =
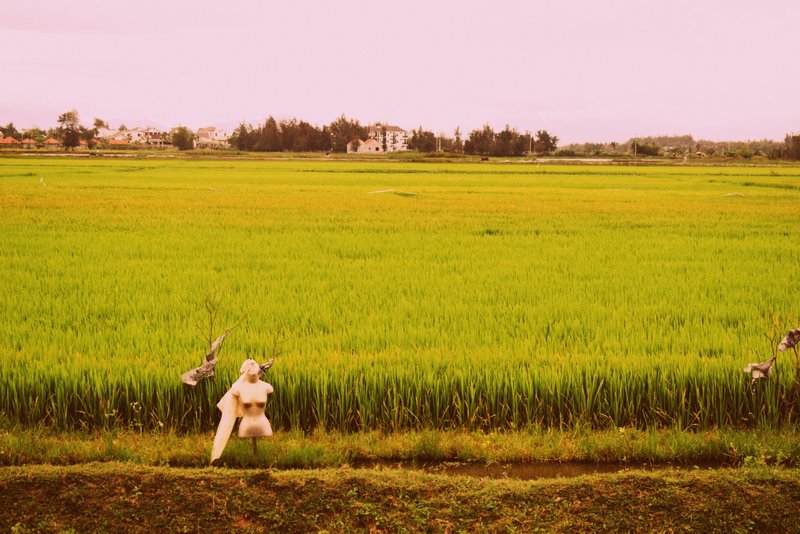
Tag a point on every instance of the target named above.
point(497, 297)
point(294, 449)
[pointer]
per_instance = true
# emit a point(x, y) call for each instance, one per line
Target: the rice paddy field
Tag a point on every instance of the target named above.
point(412, 295)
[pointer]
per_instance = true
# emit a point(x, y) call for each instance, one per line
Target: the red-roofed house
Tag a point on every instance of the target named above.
point(52, 143)
point(10, 142)
point(28, 143)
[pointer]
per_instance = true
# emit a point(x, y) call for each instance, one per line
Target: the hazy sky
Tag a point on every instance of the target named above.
point(584, 70)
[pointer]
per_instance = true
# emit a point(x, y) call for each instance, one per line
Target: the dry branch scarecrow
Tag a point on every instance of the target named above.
point(790, 340)
point(760, 370)
point(764, 369)
point(193, 376)
point(206, 370)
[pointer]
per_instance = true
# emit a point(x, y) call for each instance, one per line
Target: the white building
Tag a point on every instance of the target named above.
point(212, 137)
point(105, 133)
point(156, 137)
point(142, 136)
point(370, 146)
point(396, 137)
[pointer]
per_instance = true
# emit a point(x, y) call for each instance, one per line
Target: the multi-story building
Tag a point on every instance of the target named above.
point(396, 137)
point(380, 138)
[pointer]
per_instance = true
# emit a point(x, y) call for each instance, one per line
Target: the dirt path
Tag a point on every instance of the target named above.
point(539, 471)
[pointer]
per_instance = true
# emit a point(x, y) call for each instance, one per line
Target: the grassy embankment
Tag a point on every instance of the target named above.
point(123, 498)
point(623, 447)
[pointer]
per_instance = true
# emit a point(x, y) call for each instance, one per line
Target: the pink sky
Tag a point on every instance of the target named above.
point(584, 70)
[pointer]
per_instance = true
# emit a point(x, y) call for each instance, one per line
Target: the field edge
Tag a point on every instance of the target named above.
point(119, 497)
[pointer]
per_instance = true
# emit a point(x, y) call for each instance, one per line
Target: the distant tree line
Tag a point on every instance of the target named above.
point(182, 138)
point(425, 141)
point(297, 136)
point(509, 142)
point(791, 148)
point(686, 145)
point(484, 142)
point(300, 136)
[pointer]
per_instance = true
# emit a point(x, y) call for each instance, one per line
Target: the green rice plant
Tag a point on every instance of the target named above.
point(497, 297)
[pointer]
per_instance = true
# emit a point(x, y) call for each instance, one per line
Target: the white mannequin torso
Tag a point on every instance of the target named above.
point(252, 397)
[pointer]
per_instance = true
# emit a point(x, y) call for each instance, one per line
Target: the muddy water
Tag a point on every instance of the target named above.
point(531, 471)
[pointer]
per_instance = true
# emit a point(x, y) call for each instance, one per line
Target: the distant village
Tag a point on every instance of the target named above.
point(378, 139)
point(346, 135)
point(122, 137)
